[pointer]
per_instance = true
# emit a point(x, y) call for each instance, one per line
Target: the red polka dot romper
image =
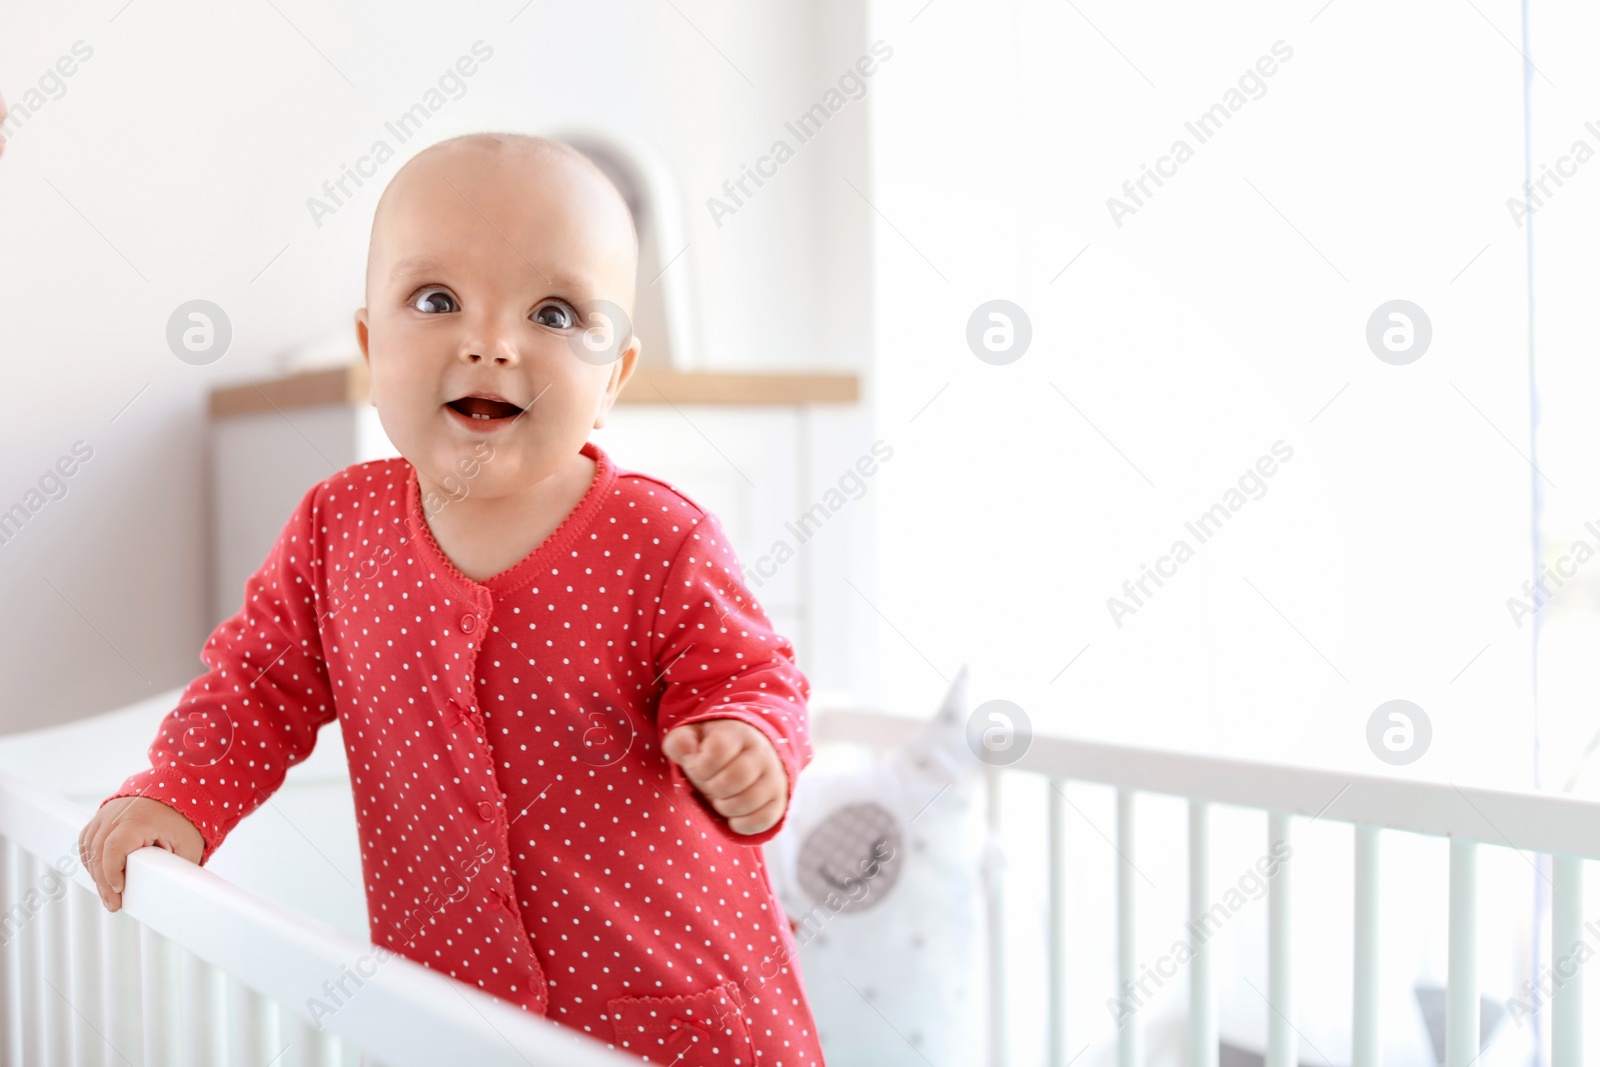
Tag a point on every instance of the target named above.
point(520, 828)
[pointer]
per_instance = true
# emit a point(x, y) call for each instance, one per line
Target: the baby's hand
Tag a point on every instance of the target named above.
point(126, 825)
point(735, 767)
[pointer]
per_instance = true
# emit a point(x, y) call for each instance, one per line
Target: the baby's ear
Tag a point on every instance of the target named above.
point(366, 359)
point(621, 371)
point(361, 333)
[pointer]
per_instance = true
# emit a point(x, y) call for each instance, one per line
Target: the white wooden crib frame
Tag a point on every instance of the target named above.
point(197, 971)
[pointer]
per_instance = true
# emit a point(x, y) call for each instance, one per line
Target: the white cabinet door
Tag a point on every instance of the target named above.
point(261, 465)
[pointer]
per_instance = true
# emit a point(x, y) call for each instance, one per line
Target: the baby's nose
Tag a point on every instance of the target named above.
point(491, 349)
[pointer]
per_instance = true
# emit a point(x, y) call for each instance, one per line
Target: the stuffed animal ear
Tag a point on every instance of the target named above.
point(939, 750)
point(953, 711)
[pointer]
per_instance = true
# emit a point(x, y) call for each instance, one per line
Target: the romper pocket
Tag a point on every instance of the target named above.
point(704, 1029)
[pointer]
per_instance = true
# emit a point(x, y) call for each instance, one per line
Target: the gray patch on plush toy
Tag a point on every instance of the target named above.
point(854, 854)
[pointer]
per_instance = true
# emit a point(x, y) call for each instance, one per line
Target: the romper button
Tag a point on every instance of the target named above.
point(486, 810)
point(469, 623)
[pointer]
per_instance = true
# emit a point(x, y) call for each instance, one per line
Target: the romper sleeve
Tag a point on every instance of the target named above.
point(240, 726)
point(718, 657)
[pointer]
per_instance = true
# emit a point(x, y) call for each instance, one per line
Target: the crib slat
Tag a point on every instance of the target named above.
point(1129, 1053)
point(1056, 989)
point(1364, 1021)
point(30, 962)
point(330, 1049)
point(302, 1039)
point(1203, 1048)
point(54, 921)
point(1461, 1012)
point(202, 1010)
point(1282, 1044)
point(88, 1048)
point(119, 943)
point(996, 921)
point(159, 985)
point(1566, 934)
point(249, 1023)
point(10, 959)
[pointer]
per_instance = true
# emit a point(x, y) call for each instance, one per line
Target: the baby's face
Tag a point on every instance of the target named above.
point(485, 271)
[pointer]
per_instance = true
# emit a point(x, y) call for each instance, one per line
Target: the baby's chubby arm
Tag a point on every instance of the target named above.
point(728, 677)
point(237, 729)
point(735, 767)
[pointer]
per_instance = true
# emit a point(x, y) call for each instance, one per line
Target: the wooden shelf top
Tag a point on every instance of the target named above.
point(648, 385)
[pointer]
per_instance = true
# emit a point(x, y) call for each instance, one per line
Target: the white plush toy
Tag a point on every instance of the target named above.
point(882, 867)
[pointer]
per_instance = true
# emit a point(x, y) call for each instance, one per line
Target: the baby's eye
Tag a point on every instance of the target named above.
point(435, 301)
point(557, 316)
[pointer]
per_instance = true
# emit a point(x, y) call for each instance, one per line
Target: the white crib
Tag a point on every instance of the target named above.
point(199, 971)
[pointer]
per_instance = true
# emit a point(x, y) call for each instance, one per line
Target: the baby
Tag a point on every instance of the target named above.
point(567, 720)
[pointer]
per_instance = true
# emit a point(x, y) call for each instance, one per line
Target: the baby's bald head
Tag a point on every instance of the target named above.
point(521, 191)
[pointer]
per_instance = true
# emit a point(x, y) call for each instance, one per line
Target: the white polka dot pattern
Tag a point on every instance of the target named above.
point(520, 828)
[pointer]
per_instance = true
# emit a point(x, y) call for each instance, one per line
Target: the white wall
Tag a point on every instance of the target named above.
point(177, 164)
point(1226, 314)
point(1179, 347)
point(1566, 275)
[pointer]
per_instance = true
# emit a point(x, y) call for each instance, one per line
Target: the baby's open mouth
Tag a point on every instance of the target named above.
point(477, 407)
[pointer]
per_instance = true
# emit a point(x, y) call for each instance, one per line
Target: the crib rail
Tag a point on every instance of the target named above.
point(195, 971)
point(1565, 828)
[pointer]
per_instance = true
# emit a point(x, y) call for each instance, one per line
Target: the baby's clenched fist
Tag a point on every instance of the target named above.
point(736, 769)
